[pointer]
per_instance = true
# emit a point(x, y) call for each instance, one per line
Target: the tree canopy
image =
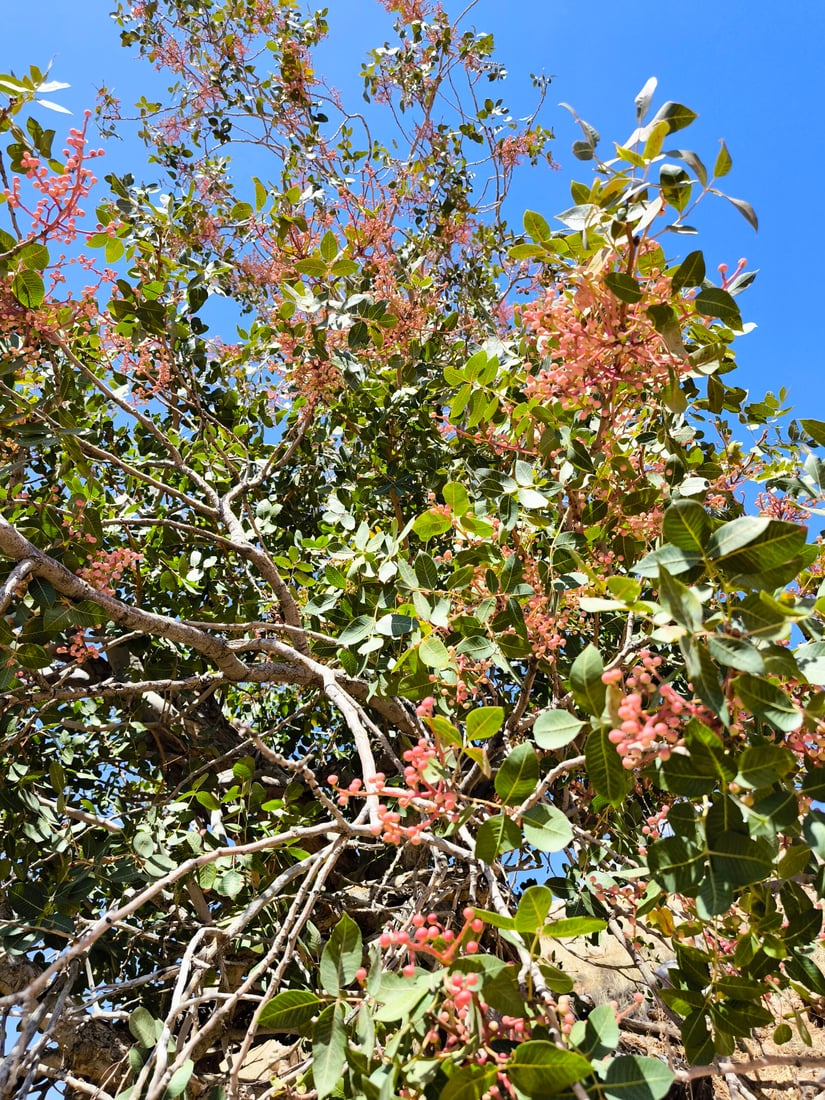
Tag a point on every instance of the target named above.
point(397, 604)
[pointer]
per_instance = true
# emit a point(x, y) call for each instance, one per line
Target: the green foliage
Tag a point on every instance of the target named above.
point(367, 639)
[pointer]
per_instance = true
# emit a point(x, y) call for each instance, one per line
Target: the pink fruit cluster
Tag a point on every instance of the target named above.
point(61, 192)
point(106, 568)
point(652, 713)
point(430, 937)
point(462, 1007)
point(432, 799)
point(592, 344)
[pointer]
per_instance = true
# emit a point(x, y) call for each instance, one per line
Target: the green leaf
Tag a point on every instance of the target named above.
point(597, 603)
point(527, 252)
point(724, 163)
point(495, 920)
point(532, 498)
point(28, 288)
point(675, 186)
point(753, 544)
point(813, 830)
point(699, 1047)
point(715, 302)
point(394, 625)
point(502, 993)
point(426, 571)
point(342, 956)
point(655, 134)
point(815, 429)
point(676, 864)
point(739, 860)
point(679, 601)
point(744, 208)
point(400, 996)
point(690, 273)
point(329, 246)
point(496, 835)
point(715, 896)
point(455, 495)
point(356, 631)
point(674, 558)
point(433, 653)
point(290, 1010)
point(767, 701)
point(586, 681)
point(598, 1035)
point(636, 1077)
point(556, 979)
point(144, 1027)
point(810, 659)
point(430, 524)
point(676, 115)
point(764, 765)
point(476, 647)
point(31, 655)
point(794, 862)
point(446, 732)
point(813, 783)
point(179, 1080)
point(532, 909)
point(547, 828)
point(35, 256)
point(469, 1083)
point(143, 843)
point(569, 927)
point(703, 769)
point(484, 722)
point(782, 1034)
point(539, 1068)
point(804, 970)
point(705, 678)
point(313, 267)
point(553, 729)
point(625, 287)
point(518, 775)
point(604, 767)
point(329, 1049)
point(643, 99)
point(735, 653)
point(761, 621)
point(536, 227)
point(230, 883)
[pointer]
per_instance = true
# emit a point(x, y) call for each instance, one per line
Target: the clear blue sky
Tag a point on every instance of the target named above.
point(752, 70)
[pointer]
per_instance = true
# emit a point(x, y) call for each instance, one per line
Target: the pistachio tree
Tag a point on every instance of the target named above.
point(391, 595)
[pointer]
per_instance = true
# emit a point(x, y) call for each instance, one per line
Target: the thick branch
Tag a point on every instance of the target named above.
point(15, 546)
point(12, 583)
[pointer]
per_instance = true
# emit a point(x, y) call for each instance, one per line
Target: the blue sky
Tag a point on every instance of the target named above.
point(752, 70)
